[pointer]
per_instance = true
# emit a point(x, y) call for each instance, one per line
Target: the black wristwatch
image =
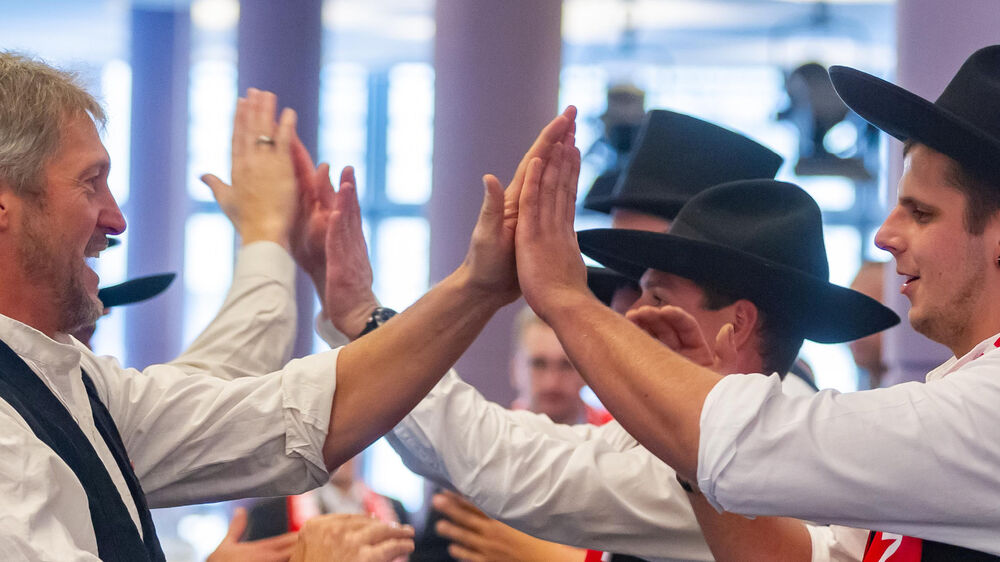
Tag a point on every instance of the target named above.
point(379, 316)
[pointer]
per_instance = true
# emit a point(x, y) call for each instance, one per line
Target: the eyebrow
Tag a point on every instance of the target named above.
point(100, 166)
point(910, 201)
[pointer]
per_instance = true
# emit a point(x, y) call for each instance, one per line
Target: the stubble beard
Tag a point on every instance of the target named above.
point(948, 323)
point(75, 307)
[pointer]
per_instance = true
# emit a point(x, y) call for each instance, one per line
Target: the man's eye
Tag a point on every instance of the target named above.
point(920, 216)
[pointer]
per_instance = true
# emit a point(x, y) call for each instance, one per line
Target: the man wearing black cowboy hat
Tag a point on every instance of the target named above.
point(676, 156)
point(607, 490)
point(914, 460)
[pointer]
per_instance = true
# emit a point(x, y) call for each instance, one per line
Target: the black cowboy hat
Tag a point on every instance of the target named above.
point(604, 282)
point(964, 122)
point(135, 290)
point(675, 157)
point(758, 239)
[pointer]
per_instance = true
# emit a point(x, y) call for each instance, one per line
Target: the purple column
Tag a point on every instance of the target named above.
point(933, 39)
point(157, 199)
point(496, 85)
point(280, 46)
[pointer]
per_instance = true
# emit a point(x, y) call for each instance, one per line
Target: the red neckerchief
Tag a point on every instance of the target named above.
point(893, 547)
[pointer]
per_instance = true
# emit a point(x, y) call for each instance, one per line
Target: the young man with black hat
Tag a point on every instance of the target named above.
point(916, 461)
point(675, 157)
point(607, 490)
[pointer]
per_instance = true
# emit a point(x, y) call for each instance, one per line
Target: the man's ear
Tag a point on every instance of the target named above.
point(6, 204)
point(745, 315)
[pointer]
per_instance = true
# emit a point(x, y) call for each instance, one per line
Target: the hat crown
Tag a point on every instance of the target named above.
point(676, 156)
point(974, 92)
point(771, 220)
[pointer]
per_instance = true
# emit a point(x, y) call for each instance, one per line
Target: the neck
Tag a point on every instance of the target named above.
point(22, 301)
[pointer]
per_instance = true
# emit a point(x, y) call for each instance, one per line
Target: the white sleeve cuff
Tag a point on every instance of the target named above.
point(267, 259)
point(729, 409)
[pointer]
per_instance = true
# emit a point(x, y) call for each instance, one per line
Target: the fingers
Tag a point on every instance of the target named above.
point(305, 175)
point(570, 181)
point(280, 543)
point(263, 107)
point(648, 318)
point(457, 534)
point(286, 129)
point(458, 509)
point(237, 525)
point(219, 188)
point(324, 187)
point(389, 550)
point(725, 350)
point(528, 210)
point(551, 134)
point(492, 211)
point(240, 125)
point(459, 552)
point(675, 328)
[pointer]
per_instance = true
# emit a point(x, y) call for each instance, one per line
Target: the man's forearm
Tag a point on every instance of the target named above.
point(653, 392)
point(382, 376)
point(735, 537)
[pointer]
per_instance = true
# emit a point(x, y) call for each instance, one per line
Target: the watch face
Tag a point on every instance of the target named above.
point(381, 315)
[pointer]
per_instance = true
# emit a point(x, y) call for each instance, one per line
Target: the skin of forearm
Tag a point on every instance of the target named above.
point(735, 538)
point(656, 394)
point(383, 375)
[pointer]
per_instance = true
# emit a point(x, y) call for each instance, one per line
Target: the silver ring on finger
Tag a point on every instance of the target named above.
point(264, 139)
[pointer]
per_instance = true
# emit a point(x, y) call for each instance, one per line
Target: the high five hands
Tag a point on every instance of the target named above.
point(490, 264)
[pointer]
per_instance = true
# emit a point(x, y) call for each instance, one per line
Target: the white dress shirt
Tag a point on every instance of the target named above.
point(918, 459)
point(191, 435)
point(582, 485)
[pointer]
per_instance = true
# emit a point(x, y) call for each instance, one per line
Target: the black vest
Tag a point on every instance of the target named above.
point(117, 537)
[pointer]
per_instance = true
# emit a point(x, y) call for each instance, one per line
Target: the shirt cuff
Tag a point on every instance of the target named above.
point(328, 332)
point(307, 391)
point(729, 409)
point(267, 259)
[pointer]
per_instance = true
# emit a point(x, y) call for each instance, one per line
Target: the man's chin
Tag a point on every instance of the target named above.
point(81, 315)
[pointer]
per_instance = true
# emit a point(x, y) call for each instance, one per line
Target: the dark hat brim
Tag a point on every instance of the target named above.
point(604, 282)
point(135, 290)
point(664, 206)
point(815, 308)
point(907, 116)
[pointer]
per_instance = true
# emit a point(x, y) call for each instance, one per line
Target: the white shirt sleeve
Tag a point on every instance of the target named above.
point(197, 438)
point(254, 331)
point(834, 543)
point(582, 485)
point(917, 459)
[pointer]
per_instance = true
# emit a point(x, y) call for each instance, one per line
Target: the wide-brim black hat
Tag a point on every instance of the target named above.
point(761, 240)
point(675, 157)
point(604, 282)
point(964, 122)
point(135, 290)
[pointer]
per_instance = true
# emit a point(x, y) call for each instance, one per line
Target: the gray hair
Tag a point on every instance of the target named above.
point(35, 100)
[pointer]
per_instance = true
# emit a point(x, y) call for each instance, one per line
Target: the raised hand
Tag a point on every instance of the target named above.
point(549, 265)
point(490, 260)
point(316, 197)
point(262, 201)
point(231, 549)
point(678, 330)
point(476, 537)
point(348, 299)
point(351, 538)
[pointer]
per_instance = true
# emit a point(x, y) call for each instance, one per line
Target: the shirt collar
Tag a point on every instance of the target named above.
point(29, 343)
point(989, 345)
